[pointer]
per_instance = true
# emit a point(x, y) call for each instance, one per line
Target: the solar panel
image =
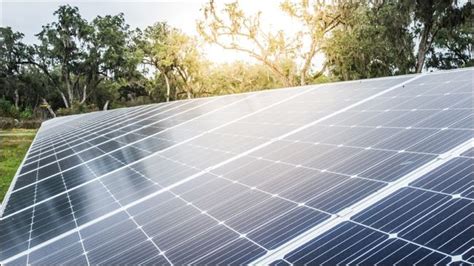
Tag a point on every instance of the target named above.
point(233, 179)
point(429, 221)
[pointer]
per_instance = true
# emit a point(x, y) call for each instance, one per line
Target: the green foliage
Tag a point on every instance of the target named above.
point(434, 20)
point(79, 65)
point(77, 109)
point(373, 42)
point(5, 108)
point(12, 52)
point(85, 53)
point(232, 29)
point(26, 114)
point(175, 60)
point(239, 77)
point(452, 46)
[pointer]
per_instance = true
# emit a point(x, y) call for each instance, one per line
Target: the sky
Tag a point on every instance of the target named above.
point(28, 17)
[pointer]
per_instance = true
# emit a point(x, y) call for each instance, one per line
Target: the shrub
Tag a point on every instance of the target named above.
point(8, 123)
point(77, 109)
point(4, 106)
point(27, 113)
point(30, 124)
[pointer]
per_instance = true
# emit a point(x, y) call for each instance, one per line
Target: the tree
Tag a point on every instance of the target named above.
point(83, 64)
point(239, 77)
point(373, 41)
point(155, 44)
point(111, 53)
point(432, 17)
point(318, 20)
point(62, 45)
point(20, 82)
point(36, 89)
point(12, 54)
point(289, 57)
point(231, 28)
point(188, 63)
point(452, 47)
point(174, 55)
point(85, 54)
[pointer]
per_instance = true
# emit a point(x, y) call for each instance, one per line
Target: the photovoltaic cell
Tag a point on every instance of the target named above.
point(424, 223)
point(231, 179)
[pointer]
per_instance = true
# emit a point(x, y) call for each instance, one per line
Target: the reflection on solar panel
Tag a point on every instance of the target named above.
point(373, 171)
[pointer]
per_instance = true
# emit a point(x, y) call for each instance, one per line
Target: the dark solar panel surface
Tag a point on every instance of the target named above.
point(428, 222)
point(223, 179)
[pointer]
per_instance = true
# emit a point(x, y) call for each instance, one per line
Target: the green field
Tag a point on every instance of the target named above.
point(13, 147)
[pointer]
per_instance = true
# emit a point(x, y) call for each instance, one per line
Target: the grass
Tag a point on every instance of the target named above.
point(13, 146)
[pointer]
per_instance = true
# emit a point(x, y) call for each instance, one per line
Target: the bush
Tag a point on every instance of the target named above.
point(27, 113)
point(77, 109)
point(30, 124)
point(64, 112)
point(8, 123)
point(7, 109)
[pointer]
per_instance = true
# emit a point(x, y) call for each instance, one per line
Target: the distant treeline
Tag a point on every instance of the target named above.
point(79, 65)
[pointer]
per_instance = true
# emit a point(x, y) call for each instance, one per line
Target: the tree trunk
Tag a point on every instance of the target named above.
point(302, 78)
point(84, 94)
point(188, 87)
point(66, 104)
point(282, 77)
point(307, 63)
point(186, 79)
point(17, 99)
point(106, 105)
point(48, 107)
point(422, 48)
point(167, 88)
point(70, 93)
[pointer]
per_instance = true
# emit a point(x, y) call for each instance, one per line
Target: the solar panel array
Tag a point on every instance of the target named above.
point(373, 171)
point(428, 222)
